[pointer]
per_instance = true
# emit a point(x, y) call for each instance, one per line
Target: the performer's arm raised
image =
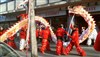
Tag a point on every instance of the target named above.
point(68, 35)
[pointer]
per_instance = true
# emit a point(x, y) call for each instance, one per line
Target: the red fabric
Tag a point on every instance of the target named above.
point(71, 26)
point(60, 32)
point(23, 34)
point(75, 36)
point(75, 41)
point(40, 33)
point(1, 33)
point(11, 38)
point(11, 42)
point(45, 33)
point(37, 33)
point(97, 42)
point(59, 47)
point(4, 31)
point(45, 45)
point(24, 16)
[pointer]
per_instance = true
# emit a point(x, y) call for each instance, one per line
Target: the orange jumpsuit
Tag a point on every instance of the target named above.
point(11, 42)
point(97, 42)
point(2, 31)
point(74, 41)
point(37, 33)
point(45, 43)
point(23, 34)
point(22, 38)
point(59, 46)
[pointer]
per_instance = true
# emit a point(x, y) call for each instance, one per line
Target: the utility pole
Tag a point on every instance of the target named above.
point(32, 28)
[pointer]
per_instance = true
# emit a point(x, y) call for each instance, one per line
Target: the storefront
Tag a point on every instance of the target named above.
point(94, 11)
point(55, 16)
point(6, 20)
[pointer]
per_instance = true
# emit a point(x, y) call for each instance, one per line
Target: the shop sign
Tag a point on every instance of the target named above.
point(2, 18)
point(49, 13)
point(93, 8)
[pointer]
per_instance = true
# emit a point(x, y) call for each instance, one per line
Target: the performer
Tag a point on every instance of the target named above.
point(11, 42)
point(22, 38)
point(97, 42)
point(45, 37)
point(75, 41)
point(1, 31)
point(22, 16)
point(23, 32)
point(38, 34)
point(60, 35)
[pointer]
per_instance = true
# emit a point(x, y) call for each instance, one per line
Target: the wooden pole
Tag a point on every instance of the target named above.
point(32, 30)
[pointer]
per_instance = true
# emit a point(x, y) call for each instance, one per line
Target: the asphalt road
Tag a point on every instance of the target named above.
point(89, 50)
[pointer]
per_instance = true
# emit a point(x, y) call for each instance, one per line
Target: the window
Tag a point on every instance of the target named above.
point(52, 1)
point(10, 5)
point(3, 7)
point(38, 2)
point(1, 1)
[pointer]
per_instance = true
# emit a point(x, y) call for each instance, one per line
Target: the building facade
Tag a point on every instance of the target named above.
point(52, 10)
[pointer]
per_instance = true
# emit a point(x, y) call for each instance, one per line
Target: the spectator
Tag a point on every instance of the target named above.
point(97, 42)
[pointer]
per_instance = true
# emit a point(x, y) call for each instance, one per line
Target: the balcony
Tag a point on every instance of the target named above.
point(10, 7)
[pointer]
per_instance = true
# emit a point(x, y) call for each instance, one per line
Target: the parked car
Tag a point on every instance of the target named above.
point(7, 51)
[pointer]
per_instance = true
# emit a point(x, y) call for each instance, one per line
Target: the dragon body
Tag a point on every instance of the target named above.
point(13, 30)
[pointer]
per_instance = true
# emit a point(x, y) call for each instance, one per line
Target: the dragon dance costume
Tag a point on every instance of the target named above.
point(22, 39)
point(38, 35)
point(74, 41)
point(97, 42)
point(11, 42)
point(59, 46)
point(45, 37)
point(1, 32)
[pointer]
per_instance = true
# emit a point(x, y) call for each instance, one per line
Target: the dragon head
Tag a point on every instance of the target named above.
point(76, 9)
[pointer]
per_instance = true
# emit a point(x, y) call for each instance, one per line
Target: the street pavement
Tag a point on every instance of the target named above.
point(89, 50)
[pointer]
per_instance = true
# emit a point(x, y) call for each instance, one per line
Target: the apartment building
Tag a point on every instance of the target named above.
point(52, 10)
